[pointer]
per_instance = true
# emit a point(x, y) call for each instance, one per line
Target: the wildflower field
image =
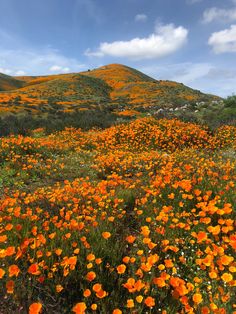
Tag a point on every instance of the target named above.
point(136, 218)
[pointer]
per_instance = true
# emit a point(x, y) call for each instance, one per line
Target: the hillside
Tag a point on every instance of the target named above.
point(135, 88)
point(116, 85)
point(9, 83)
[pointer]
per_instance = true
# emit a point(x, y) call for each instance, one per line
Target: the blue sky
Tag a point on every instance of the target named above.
point(190, 41)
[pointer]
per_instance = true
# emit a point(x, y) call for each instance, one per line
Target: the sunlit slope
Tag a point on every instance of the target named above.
point(61, 92)
point(137, 88)
point(113, 85)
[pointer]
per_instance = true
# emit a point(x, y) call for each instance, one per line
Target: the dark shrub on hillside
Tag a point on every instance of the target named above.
point(85, 120)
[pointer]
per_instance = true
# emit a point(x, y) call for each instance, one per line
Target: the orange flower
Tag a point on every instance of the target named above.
point(87, 293)
point(97, 287)
point(205, 310)
point(58, 252)
point(35, 308)
point(34, 269)
point(139, 298)
point(13, 270)
point(212, 274)
point(226, 260)
point(79, 308)
point(226, 277)
point(98, 261)
point(126, 259)
point(91, 257)
point(160, 282)
point(3, 238)
point(2, 273)
point(130, 239)
point(121, 268)
point(10, 251)
point(169, 263)
point(201, 236)
point(149, 301)
point(91, 276)
point(10, 286)
point(94, 306)
point(101, 294)
point(106, 235)
point(117, 311)
point(130, 303)
point(197, 298)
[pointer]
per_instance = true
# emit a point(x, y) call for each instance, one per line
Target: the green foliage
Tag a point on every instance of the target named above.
point(55, 121)
point(230, 102)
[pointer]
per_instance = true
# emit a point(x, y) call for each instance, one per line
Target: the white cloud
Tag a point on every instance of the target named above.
point(141, 18)
point(32, 62)
point(58, 68)
point(217, 14)
point(164, 41)
point(223, 41)
point(5, 71)
point(17, 58)
point(20, 73)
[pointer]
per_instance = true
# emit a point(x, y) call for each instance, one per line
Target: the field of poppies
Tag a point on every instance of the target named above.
point(137, 218)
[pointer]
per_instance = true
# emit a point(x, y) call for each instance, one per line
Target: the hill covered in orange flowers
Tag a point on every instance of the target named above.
point(117, 86)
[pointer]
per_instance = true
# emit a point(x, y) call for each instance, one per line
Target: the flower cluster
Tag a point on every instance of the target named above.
point(146, 227)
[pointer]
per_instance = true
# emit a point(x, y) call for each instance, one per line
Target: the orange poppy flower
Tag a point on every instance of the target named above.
point(117, 311)
point(197, 298)
point(139, 298)
point(94, 306)
point(10, 251)
point(10, 286)
point(160, 282)
point(227, 277)
point(2, 273)
point(91, 276)
point(205, 310)
point(35, 308)
point(90, 257)
point(149, 301)
point(97, 287)
point(34, 269)
point(106, 235)
point(121, 268)
point(126, 259)
point(3, 238)
point(13, 270)
point(101, 294)
point(226, 260)
point(130, 303)
point(130, 239)
point(79, 308)
point(169, 263)
point(201, 236)
point(58, 252)
point(87, 293)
